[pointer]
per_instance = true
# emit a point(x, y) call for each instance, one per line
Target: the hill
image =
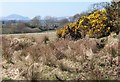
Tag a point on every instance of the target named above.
point(15, 17)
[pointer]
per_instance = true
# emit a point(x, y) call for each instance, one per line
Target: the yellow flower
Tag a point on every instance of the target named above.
point(85, 26)
point(108, 28)
point(103, 11)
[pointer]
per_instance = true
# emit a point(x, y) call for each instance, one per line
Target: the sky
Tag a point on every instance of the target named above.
point(44, 8)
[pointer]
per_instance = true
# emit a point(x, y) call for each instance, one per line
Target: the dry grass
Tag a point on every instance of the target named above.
point(84, 59)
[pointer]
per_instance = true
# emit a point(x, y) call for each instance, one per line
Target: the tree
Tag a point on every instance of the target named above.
point(98, 6)
point(76, 17)
point(63, 22)
point(49, 22)
point(36, 21)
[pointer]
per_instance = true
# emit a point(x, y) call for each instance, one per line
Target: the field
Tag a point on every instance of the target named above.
point(42, 56)
point(50, 34)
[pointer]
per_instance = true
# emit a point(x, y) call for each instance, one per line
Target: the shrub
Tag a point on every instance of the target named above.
point(97, 24)
point(45, 39)
point(113, 15)
point(63, 59)
point(94, 25)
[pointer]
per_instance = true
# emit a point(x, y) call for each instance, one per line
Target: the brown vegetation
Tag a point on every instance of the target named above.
point(45, 57)
point(84, 59)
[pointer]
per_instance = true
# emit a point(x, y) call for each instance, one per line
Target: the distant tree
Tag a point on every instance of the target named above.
point(71, 19)
point(49, 21)
point(19, 27)
point(8, 28)
point(63, 22)
point(76, 17)
point(98, 6)
point(34, 23)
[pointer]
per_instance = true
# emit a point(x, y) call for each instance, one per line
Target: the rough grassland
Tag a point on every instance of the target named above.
point(42, 56)
point(51, 35)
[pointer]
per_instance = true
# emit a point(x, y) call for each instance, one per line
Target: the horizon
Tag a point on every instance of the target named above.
point(43, 9)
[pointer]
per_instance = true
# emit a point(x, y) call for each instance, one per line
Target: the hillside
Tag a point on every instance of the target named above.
point(15, 17)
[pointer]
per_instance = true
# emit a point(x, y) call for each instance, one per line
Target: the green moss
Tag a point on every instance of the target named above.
point(6, 78)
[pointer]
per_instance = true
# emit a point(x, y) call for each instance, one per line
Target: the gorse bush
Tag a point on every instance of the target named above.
point(70, 30)
point(94, 25)
point(97, 24)
point(113, 15)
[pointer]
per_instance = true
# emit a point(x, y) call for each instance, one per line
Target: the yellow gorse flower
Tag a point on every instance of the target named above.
point(93, 24)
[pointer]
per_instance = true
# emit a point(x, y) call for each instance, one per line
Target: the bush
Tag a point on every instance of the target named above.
point(94, 25)
point(98, 26)
point(45, 39)
point(98, 23)
point(113, 15)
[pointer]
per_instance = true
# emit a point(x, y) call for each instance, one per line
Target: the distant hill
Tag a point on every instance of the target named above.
point(15, 17)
